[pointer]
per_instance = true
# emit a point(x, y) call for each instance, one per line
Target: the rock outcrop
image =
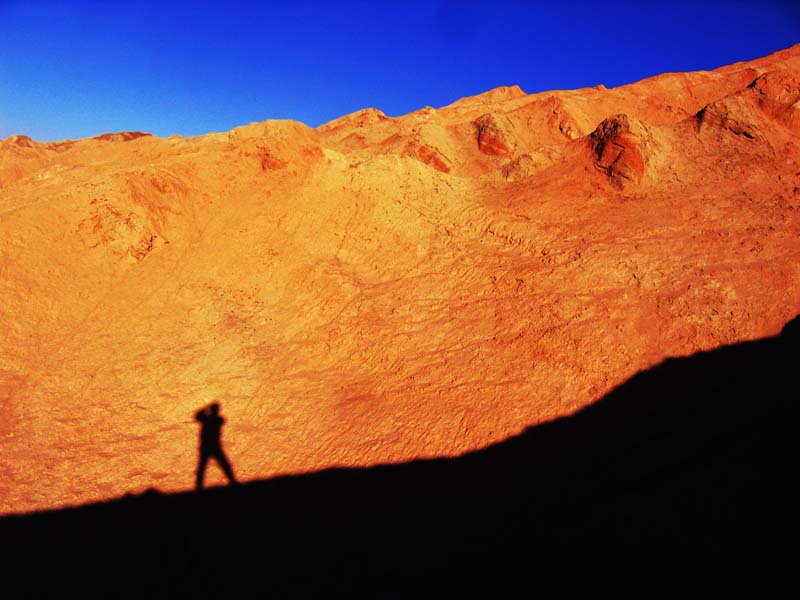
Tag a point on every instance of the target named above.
point(618, 150)
point(778, 95)
point(492, 136)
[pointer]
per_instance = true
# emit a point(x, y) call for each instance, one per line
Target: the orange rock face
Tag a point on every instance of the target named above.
point(379, 289)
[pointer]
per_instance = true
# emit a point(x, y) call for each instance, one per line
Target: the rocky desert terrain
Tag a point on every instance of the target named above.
point(380, 289)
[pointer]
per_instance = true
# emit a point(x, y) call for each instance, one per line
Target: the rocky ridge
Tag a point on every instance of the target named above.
point(381, 288)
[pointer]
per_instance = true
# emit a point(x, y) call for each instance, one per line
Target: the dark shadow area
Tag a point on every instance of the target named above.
point(686, 470)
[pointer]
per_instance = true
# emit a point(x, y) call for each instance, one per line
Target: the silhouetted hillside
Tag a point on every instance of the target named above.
point(684, 469)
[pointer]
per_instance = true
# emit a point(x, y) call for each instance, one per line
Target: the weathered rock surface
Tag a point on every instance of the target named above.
point(381, 288)
point(619, 150)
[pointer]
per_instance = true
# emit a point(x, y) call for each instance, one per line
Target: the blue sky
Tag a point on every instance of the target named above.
point(77, 69)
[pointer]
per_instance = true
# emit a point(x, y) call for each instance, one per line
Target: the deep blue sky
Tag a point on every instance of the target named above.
point(77, 69)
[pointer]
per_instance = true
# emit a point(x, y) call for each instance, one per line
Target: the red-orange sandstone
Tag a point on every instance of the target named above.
point(380, 289)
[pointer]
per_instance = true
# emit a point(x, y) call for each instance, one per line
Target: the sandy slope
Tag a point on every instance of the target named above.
point(381, 288)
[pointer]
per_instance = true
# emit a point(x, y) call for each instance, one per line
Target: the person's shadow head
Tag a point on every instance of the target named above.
point(209, 414)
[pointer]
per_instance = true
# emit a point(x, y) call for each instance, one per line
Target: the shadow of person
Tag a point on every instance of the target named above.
point(210, 443)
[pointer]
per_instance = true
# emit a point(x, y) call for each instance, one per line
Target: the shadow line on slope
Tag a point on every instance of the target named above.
point(687, 462)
